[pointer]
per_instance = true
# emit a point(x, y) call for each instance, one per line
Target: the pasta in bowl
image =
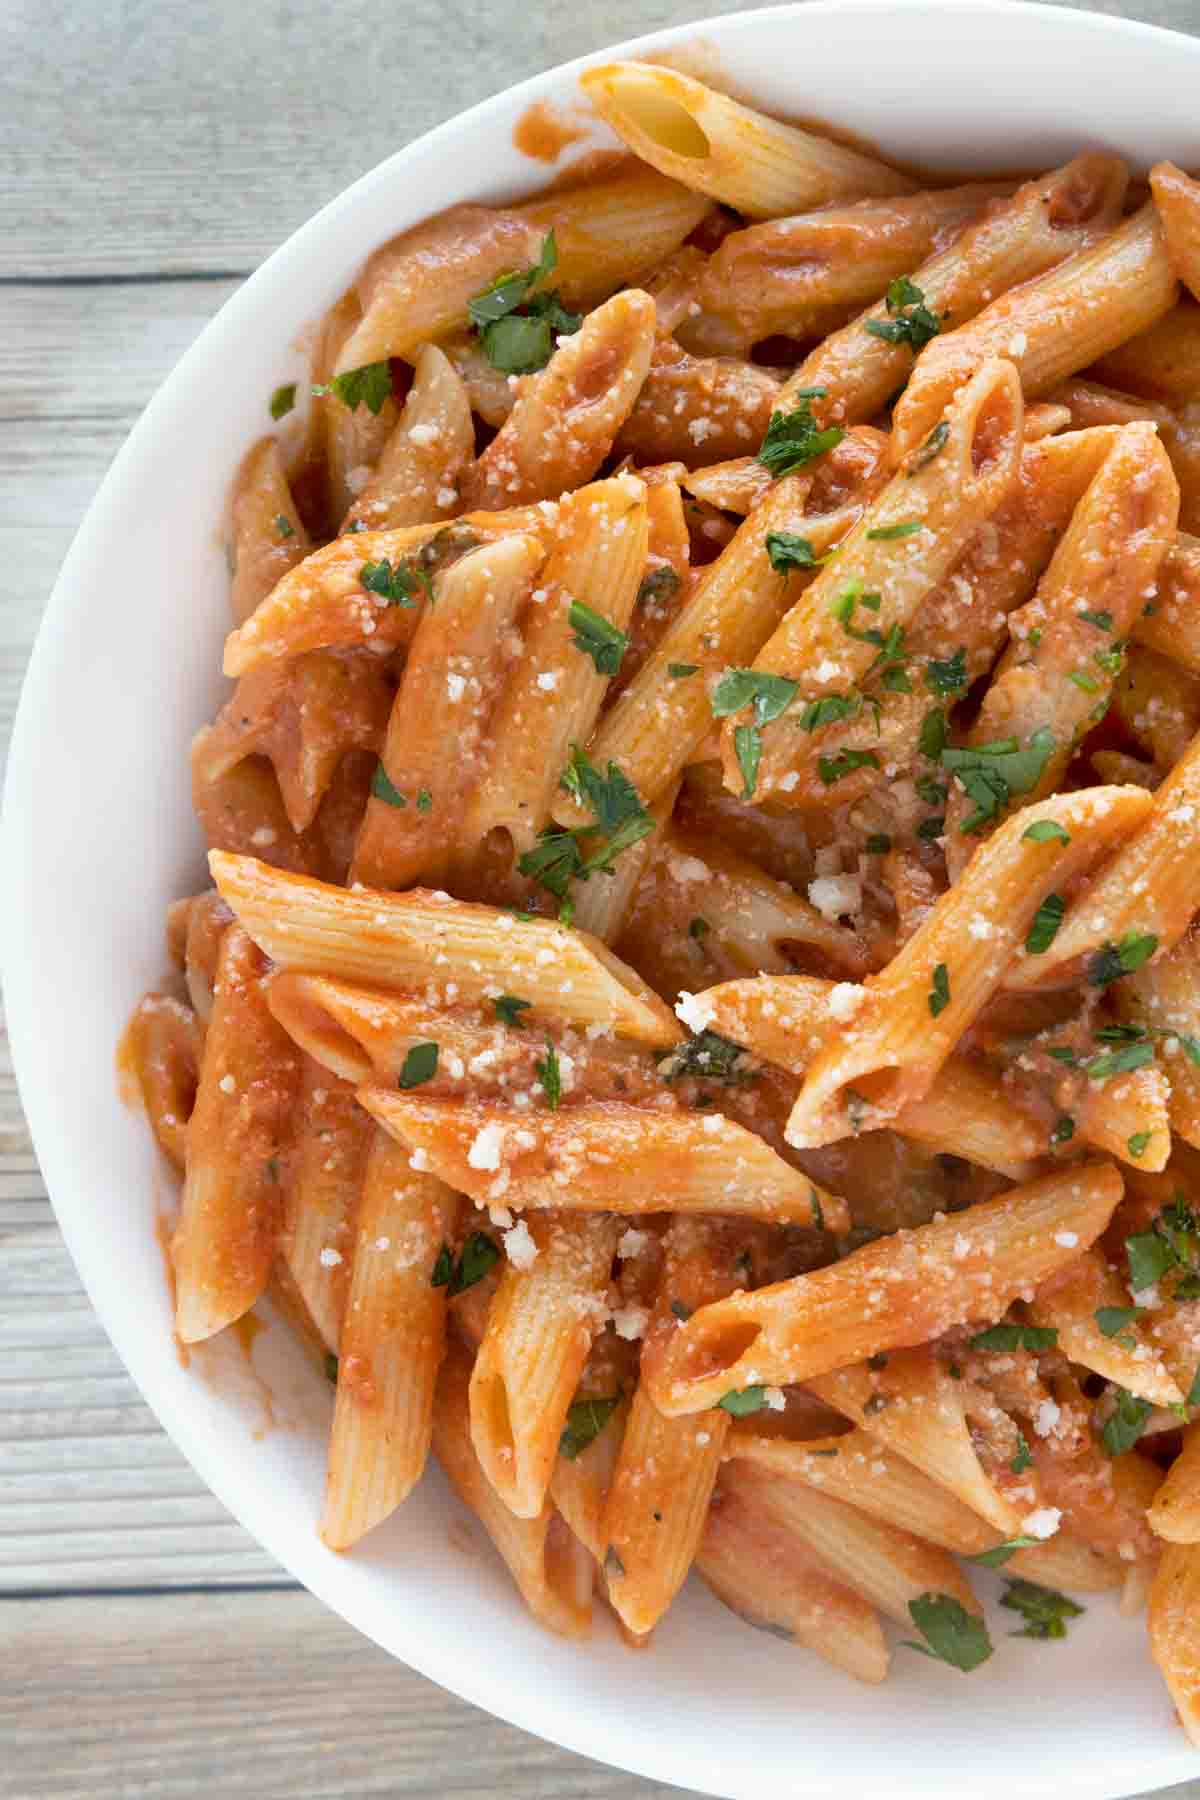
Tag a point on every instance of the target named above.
point(692, 1012)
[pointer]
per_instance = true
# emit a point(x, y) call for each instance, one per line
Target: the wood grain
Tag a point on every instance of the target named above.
point(150, 155)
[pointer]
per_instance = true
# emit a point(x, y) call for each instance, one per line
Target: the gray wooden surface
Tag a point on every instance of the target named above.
point(151, 153)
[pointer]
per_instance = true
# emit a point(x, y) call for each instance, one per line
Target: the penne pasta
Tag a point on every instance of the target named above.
point(1050, 327)
point(901, 1291)
point(325, 1165)
point(769, 1578)
point(231, 1208)
point(543, 1318)
point(1070, 1304)
point(267, 535)
point(1173, 1621)
point(1177, 202)
point(420, 465)
point(396, 939)
point(727, 150)
point(697, 408)
point(162, 1050)
point(909, 1016)
point(611, 231)
point(1175, 1510)
point(550, 1566)
point(566, 417)
point(531, 1159)
point(1161, 362)
point(392, 1342)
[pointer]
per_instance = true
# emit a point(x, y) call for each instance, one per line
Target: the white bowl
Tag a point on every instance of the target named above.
point(99, 836)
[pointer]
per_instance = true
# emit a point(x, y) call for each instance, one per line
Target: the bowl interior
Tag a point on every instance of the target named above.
point(99, 835)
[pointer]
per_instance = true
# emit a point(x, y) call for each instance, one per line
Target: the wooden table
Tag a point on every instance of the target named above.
point(151, 154)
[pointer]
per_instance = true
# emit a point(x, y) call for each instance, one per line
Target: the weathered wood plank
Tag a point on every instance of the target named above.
point(138, 138)
point(266, 1694)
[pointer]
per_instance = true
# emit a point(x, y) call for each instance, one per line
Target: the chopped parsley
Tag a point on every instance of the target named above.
point(682, 1311)
point(549, 1074)
point(1022, 1460)
point(659, 584)
point(948, 676)
point(1045, 1612)
point(794, 438)
point(520, 341)
point(370, 386)
point(1046, 921)
point(1112, 961)
point(998, 1555)
point(1126, 1423)
point(479, 1256)
point(770, 695)
point(698, 928)
point(934, 444)
point(709, 1055)
point(1173, 1243)
point(934, 731)
point(586, 1419)
point(951, 1633)
point(597, 637)
point(619, 820)
point(1114, 1322)
point(886, 534)
point(1046, 831)
point(832, 768)
point(932, 828)
point(1138, 1142)
point(331, 1367)
point(878, 843)
point(1010, 1336)
point(383, 788)
point(1064, 1129)
point(420, 1065)
point(747, 747)
point(909, 320)
point(990, 774)
point(509, 1007)
point(283, 400)
point(1103, 621)
point(680, 671)
point(787, 551)
point(939, 993)
point(741, 1401)
point(283, 526)
point(399, 586)
point(1119, 1062)
point(829, 710)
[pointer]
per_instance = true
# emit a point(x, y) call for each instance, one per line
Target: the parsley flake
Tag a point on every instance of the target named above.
point(399, 586)
point(787, 551)
point(948, 676)
point(833, 768)
point(480, 1254)
point(283, 400)
point(793, 439)
point(747, 747)
point(886, 534)
point(1023, 1459)
point(934, 444)
point(283, 526)
point(549, 1074)
point(1138, 1142)
point(709, 1055)
point(770, 695)
point(370, 386)
point(1112, 961)
point(518, 342)
point(998, 1555)
point(1044, 1611)
point(990, 774)
point(1046, 831)
point(741, 1401)
point(1125, 1423)
point(909, 320)
point(939, 993)
point(586, 1419)
point(1119, 1062)
point(951, 1633)
point(681, 671)
point(619, 821)
point(383, 788)
point(508, 1007)
point(1046, 921)
point(1011, 1336)
point(597, 637)
point(420, 1065)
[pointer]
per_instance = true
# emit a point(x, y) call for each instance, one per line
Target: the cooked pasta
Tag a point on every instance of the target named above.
point(697, 1016)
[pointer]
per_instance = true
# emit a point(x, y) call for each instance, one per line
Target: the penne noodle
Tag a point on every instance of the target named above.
point(304, 716)
point(396, 940)
point(900, 1291)
point(804, 275)
point(1177, 201)
point(323, 603)
point(392, 1342)
point(207, 917)
point(1046, 221)
point(1170, 624)
point(1061, 664)
point(887, 1565)
point(1066, 1563)
point(609, 233)
point(1069, 1304)
point(551, 1568)
point(1158, 705)
point(1164, 999)
point(967, 1111)
point(343, 441)
point(1050, 327)
point(721, 148)
point(485, 386)
point(597, 1152)
point(737, 486)
point(864, 1473)
point(737, 602)
point(910, 1017)
point(230, 1213)
point(1160, 363)
point(603, 907)
point(417, 286)
point(267, 535)
point(769, 1578)
point(543, 1318)
point(566, 416)
point(1146, 888)
point(460, 657)
point(1090, 405)
point(325, 1165)
point(1173, 1621)
point(551, 698)
point(697, 408)
point(416, 477)
point(242, 812)
point(1175, 1510)
point(162, 1051)
point(907, 540)
point(1127, 1116)
point(915, 1408)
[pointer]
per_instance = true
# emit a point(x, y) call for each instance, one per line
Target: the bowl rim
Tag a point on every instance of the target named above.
point(480, 1684)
